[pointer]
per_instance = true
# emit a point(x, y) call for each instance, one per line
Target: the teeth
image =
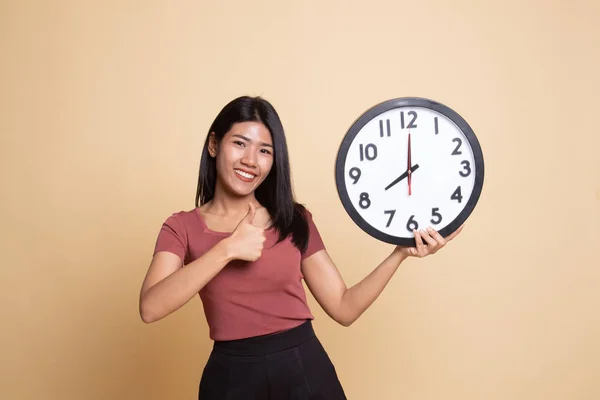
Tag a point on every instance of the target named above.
point(244, 174)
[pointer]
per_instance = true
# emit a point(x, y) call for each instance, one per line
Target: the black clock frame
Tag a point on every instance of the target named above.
point(389, 105)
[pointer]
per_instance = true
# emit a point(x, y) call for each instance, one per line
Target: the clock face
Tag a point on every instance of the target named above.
point(407, 164)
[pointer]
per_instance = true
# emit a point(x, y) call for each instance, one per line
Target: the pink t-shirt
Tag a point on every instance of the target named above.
point(244, 299)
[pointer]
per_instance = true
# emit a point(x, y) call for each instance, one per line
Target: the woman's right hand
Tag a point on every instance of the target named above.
point(246, 241)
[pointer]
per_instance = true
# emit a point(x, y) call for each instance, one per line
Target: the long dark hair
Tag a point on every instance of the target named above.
point(275, 192)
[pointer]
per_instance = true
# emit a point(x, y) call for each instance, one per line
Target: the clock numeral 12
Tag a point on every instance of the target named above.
point(369, 152)
point(411, 124)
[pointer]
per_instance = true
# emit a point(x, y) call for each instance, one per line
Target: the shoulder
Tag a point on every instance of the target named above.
point(182, 219)
point(306, 213)
point(308, 218)
point(184, 215)
point(302, 210)
point(174, 235)
point(314, 241)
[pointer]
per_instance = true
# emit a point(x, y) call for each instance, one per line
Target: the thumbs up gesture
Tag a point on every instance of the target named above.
point(246, 241)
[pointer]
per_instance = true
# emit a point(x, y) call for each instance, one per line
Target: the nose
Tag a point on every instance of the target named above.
point(249, 158)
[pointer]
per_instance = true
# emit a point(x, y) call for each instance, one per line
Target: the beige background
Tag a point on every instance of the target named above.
point(104, 107)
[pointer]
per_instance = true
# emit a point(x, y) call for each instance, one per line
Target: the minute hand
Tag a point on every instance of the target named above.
point(404, 175)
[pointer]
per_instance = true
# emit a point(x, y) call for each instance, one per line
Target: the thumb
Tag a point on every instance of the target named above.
point(251, 213)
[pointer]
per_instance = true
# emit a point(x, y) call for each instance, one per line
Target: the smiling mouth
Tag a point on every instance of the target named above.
point(244, 176)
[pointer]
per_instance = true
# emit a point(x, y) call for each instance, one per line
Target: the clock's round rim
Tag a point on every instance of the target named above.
point(386, 106)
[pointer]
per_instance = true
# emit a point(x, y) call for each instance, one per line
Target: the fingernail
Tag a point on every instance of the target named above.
point(430, 229)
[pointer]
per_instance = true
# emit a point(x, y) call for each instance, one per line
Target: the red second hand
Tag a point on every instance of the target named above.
point(408, 168)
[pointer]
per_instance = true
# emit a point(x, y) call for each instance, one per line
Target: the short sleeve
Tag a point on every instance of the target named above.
point(315, 242)
point(172, 237)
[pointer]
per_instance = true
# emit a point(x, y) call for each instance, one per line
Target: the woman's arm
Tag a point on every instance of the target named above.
point(168, 286)
point(329, 289)
point(346, 305)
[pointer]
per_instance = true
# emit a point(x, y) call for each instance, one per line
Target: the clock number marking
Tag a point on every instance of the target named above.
point(435, 123)
point(457, 195)
point(364, 202)
point(391, 212)
point(381, 130)
point(412, 225)
point(457, 152)
point(354, 174)
point(467, 168)
point(369, 152)
point(437, 217)
point(411, 124)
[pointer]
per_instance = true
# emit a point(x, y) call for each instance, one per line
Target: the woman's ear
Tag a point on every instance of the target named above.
point(212, 145)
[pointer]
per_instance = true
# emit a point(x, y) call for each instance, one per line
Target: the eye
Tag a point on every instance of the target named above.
point(265, 151)
point(239, 143)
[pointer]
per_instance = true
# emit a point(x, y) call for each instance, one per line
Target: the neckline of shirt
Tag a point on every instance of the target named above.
point(206, 229)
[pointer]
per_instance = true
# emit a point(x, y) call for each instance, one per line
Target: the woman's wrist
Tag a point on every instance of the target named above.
point(226, 250)
point(399, 254)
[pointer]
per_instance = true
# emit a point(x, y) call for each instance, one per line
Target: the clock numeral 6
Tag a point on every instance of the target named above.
point(466, 167)
point(411, 225)
point(369, 152)
point(354, 174)
point(364, 201)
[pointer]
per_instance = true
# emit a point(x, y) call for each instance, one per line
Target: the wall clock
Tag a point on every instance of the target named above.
point(409, 163)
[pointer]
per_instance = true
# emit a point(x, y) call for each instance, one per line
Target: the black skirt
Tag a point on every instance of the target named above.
point(290, 365)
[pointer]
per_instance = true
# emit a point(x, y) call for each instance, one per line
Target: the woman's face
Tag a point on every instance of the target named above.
point(244, 157)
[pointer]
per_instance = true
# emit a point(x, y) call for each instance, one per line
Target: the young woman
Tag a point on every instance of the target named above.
point(245, 249)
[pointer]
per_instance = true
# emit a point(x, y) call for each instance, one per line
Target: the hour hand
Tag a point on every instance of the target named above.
point(404, 175)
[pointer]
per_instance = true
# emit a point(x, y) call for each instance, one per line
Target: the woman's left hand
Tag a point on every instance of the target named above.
point(428, 242)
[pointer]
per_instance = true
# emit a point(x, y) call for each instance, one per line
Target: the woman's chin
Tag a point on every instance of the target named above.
point(243, 190)
point(239, 189)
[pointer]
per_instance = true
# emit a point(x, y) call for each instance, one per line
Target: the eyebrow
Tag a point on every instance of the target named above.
point(248, 140)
